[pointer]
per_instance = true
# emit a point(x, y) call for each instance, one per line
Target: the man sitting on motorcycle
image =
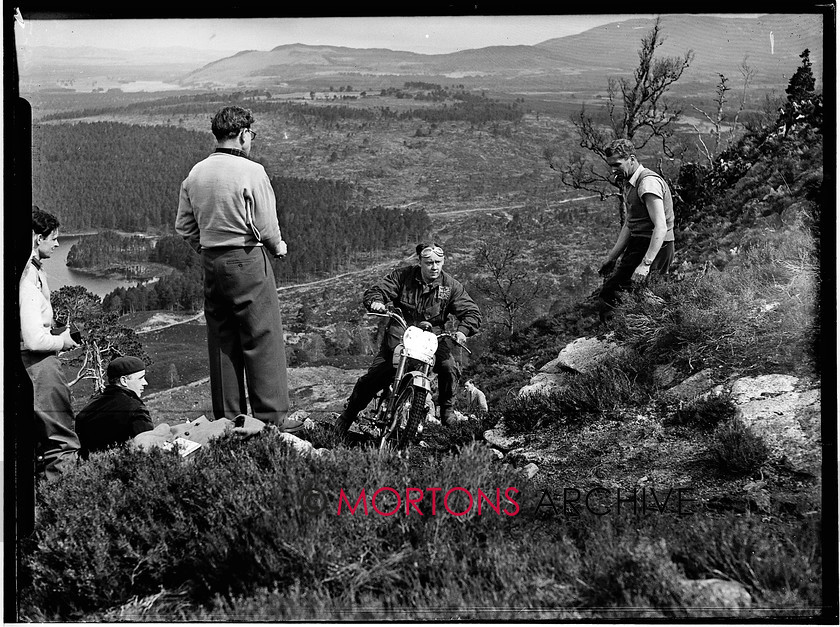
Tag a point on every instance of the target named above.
point(422, 292)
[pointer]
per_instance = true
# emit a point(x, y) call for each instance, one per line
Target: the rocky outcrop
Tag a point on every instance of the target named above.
point(749, 388)
point(580, 356)
point(787, 419)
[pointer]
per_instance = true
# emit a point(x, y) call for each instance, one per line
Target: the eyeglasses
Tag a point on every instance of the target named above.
point(253, 133)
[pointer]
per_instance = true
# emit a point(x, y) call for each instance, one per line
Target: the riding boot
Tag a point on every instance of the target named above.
point(343, 424)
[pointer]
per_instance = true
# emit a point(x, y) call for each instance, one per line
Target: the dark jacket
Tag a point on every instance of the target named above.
point(111, 418)
point(434, 302)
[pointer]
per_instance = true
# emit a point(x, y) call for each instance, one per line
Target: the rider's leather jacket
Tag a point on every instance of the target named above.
point(432, 302)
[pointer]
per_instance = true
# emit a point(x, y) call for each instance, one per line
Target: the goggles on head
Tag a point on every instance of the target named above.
point(432, 251)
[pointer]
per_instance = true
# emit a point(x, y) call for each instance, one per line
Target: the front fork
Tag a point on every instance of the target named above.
point(416, 378)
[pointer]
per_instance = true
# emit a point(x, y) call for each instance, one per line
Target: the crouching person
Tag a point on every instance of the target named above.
point(117, 414)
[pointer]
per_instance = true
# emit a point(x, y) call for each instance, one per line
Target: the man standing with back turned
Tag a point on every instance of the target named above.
point(646, 240)
point(227, 212)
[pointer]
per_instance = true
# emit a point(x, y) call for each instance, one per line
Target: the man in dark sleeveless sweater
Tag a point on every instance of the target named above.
point(646, 240)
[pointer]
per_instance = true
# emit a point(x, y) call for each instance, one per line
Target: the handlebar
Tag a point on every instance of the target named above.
point(392, 313)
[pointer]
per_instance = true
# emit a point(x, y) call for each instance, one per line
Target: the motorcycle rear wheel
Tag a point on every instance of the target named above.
point(410, 410)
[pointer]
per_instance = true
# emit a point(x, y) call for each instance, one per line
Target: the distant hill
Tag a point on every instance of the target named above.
point(720, 45)
point(44, 66)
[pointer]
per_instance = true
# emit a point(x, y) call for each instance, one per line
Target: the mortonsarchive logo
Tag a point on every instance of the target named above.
point(411, 501)
point(600, 501)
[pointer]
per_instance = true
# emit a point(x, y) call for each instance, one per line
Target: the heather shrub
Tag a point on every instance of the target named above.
point(628, 570)
point(454, 436)
point(230, 535)
point(781, 567)
point(703, 413)
point(736, 450)
point(758, 315)
point(605, 392)
point(235, 518)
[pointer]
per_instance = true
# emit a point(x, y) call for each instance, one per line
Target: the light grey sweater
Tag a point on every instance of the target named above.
point(227, 200)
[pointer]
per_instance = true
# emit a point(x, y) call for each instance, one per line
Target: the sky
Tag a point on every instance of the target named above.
point(426, 35)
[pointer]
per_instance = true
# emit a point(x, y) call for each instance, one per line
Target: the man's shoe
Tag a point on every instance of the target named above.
point(290, 426)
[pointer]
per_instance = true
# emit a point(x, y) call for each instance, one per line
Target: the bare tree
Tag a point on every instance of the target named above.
point(504, 279)
point(636, 110)
point(717, 143)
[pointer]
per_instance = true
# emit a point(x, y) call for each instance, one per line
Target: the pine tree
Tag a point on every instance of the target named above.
point(804, 105)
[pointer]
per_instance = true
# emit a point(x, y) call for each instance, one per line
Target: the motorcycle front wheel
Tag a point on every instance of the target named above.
point(409, 411)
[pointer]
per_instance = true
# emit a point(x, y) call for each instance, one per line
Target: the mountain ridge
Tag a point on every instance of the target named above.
point(720, 46)
point(770, 45)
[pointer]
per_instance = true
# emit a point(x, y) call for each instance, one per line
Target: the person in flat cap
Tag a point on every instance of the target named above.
point(117, 414)
point(422, 292)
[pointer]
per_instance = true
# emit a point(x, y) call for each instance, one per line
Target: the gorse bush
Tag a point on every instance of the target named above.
point(736, 450)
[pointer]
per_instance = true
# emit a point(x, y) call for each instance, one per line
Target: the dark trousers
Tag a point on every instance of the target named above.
point(381, 372)
point(56, 443)
point(620, 281)
point(244, 334)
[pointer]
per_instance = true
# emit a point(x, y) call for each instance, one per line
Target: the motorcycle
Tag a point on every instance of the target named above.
point(401, 407)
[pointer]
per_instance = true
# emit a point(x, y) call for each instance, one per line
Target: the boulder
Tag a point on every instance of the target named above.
point(714, 597)
point(696, 385)
point(497, 454)
point(499, 438)
point(301, 446)
point(529, 470)
point(582, 355)
point(527, 456)
point(543, 383)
